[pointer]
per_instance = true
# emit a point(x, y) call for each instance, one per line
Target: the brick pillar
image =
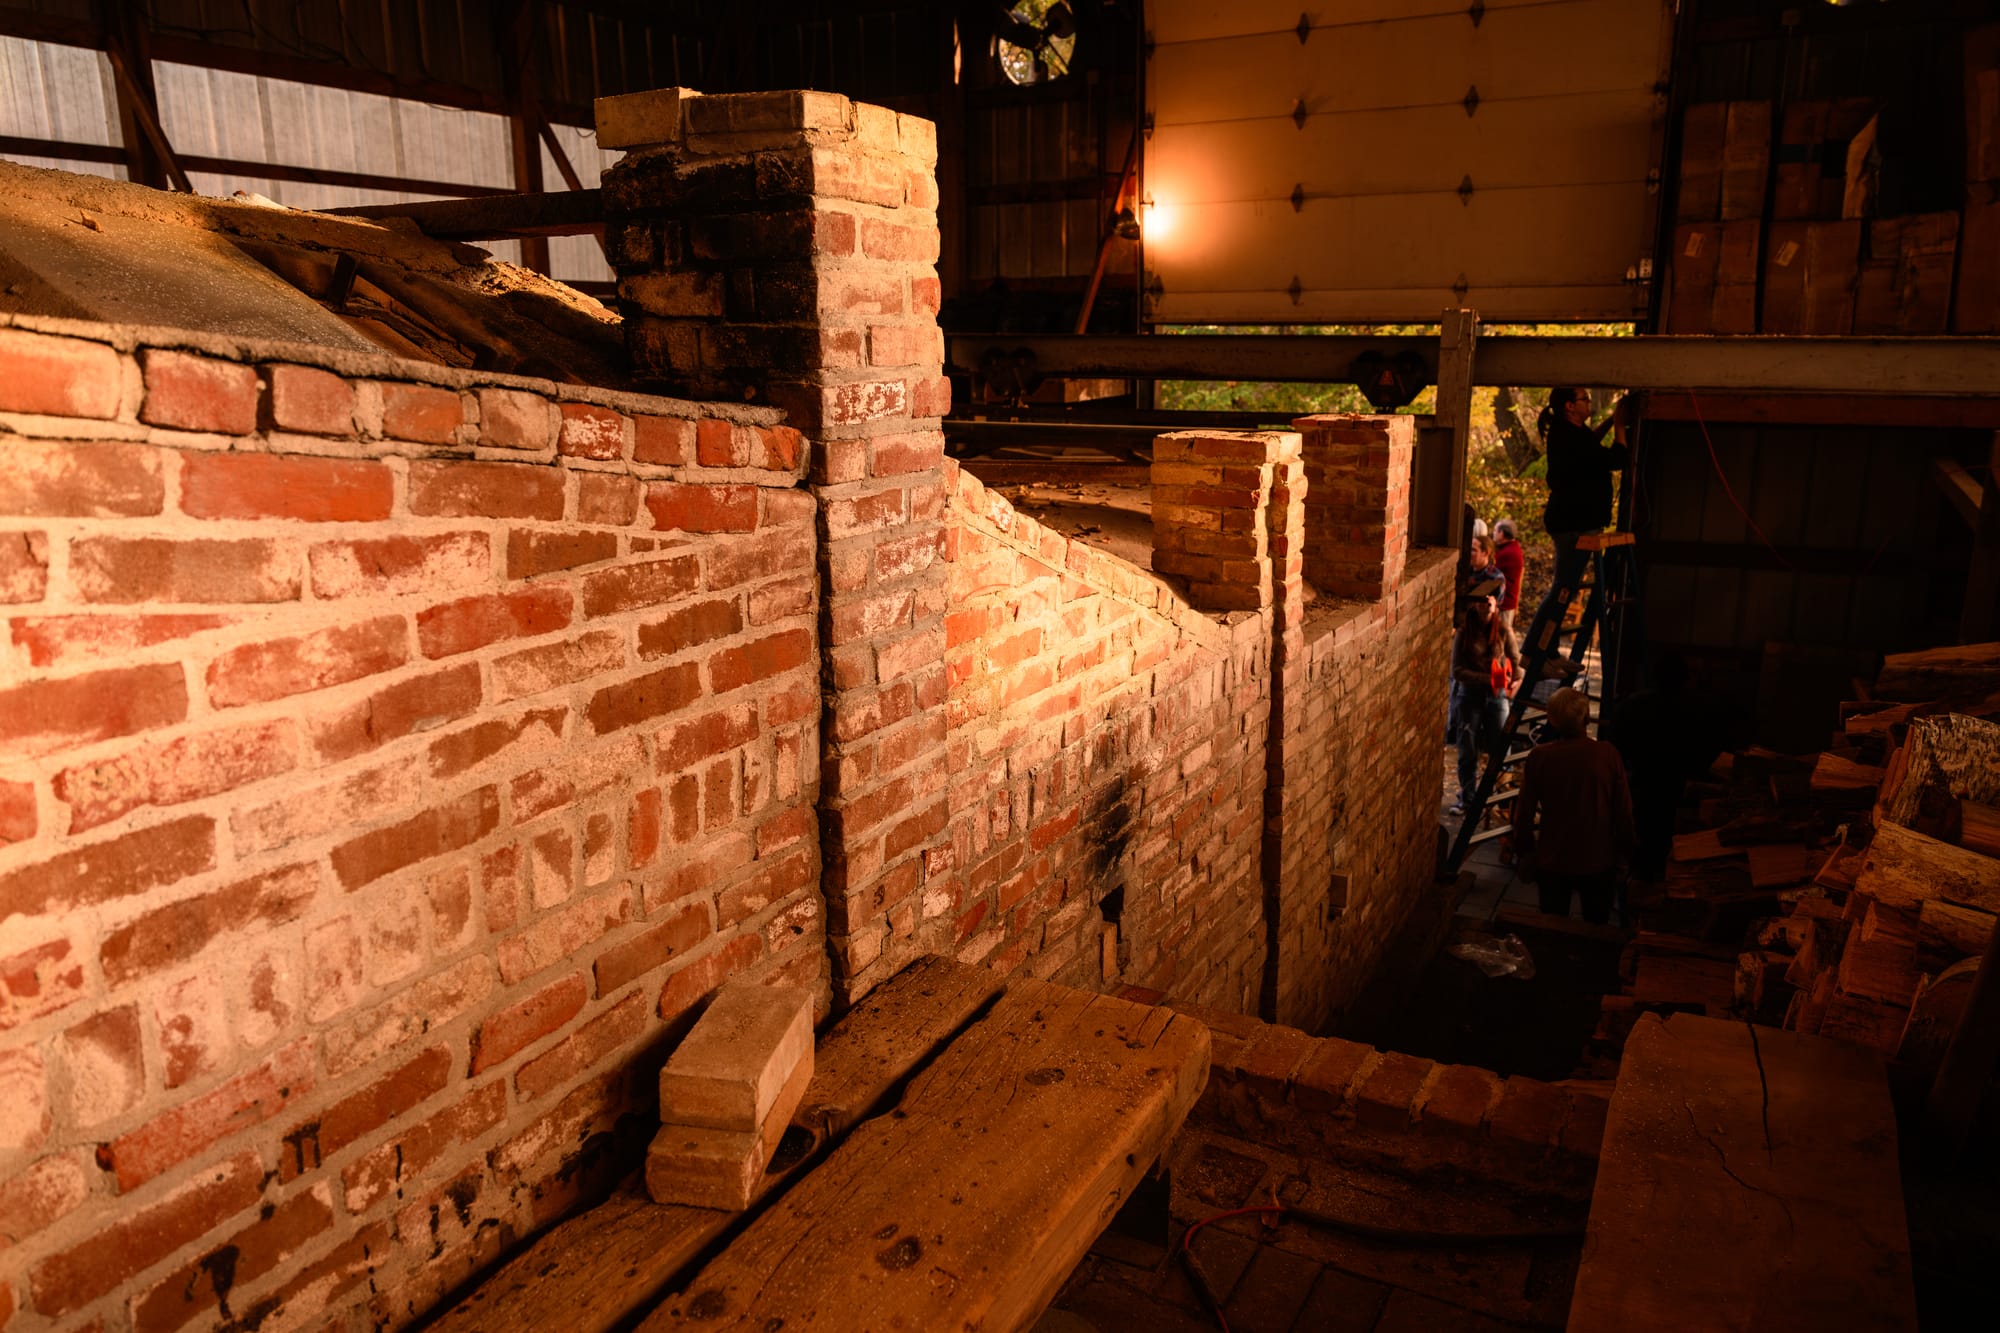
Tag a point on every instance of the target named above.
point(1357, 501)
point(781, 247)
point(1212, 514)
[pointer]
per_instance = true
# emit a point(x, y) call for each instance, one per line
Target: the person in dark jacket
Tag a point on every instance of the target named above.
point(1579, 473)
point(1485, 668)
point(1577, 787)
point(1512, 562)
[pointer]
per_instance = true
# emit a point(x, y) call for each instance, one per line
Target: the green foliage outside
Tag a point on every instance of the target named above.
point(1504, 476)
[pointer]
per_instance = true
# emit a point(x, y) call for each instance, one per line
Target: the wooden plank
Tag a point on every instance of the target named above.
point(1776, 865)
point(557, 213)
point(1702, 1219)
point(1955, 673)
point(1947, 932)
point(604, 1267)
point(970, 1206)
point(1832, 776)
point(1879, 969)
point(1903, 868)
point(1704, 845)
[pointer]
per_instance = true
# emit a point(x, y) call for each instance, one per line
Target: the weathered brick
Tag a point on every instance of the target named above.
point(24, 567)
point(467, 748)
point(126, 1246)
point(565, 934)
point(475, 622)
point(426, 1006)
point(591, 432)
point(39, 980)
point(1528, 1112)
point(590, 1045)
point(198, 393)
point(514, 419)
point(551, 666)
point(115, 868)
point(41, 1196)
point(485, 490)
point(442, 829)
point(575, 776)
point(262, 1247)
point(57, 714)
point(668, 441)
point(641, 583)
point(701, 508)
point(316, 402)
point(522, 1024)
point(191, 1128)
point(651, 948)
point(414, 1151)
point(312, 490)
point(604, 498)
point(699, 976)
point(1383, 1099)
point(58, 377)
point(156, 569)
point(185, 769)
point(761, 659)
point(81, 480)
point(361, 798)
point(417, 704)
point(531, 554)
point(641, 698)
point(67, 640)
point(104, 1057)
point(18, 820)
point(421, 413)
point(687, 743)
point(690, 627)
point(178, 932)
point(394, 566)
point(364, 1111)
point(191, 1017)
point(1458, 1100)
point(260, 672)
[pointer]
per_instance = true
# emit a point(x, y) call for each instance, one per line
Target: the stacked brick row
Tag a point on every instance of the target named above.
point(1340, 1099)
point(781, 247)
point(1358, 472)
point(388, 757)
point(1106, 748)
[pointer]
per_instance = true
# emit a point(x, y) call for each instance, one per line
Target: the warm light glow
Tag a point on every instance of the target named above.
point(1156, 220)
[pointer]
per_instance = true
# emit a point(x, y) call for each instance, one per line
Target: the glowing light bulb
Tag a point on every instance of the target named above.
point(1156, 219)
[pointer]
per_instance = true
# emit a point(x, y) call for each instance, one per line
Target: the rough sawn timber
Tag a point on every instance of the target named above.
point(1950, 753)
point(967, 1206)
point(1903, 868)
point(1699, 1220)
point(602, 1268)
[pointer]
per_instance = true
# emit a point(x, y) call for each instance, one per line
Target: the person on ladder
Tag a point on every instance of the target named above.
point(1486, 667)
point(1579, 474)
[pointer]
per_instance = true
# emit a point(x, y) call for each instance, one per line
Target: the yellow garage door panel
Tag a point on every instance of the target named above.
point(1559, 148)
point(1553, 49)
point(1207, 20)
point(1599, 138)
point(1502, 240)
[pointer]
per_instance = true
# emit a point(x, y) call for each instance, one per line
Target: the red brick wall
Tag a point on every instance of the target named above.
point(782, 247)
point(385, 766)
point(1105, 738)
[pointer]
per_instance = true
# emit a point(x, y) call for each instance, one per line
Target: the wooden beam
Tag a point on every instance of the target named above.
point(523, 105)
point(1806, 409)
point(1979, 618)
point(126, 45)
point(1966, 495)
point(557, 213)
point(1456, 337)
point(970, 1206)
point(14, 145)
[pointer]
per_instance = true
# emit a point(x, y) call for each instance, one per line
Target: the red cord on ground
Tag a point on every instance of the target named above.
point(1187, 1241)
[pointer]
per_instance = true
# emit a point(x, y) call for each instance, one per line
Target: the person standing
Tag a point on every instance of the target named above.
point(1512, 563)
point(1485, 668)
point(1579, 470)
point(1576, 786)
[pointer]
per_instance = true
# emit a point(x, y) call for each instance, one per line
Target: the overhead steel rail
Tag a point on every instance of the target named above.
point(1925, 367)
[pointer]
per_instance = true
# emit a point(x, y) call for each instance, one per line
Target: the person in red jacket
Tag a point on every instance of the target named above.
point(1511, 562)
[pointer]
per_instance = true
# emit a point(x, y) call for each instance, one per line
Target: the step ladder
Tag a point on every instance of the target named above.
point(1545, 668)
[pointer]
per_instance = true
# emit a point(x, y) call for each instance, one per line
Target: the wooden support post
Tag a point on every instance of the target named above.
point(1459, 331)
point(524, 113)
point(1968, 1062)
point(148, 156)
point(1980, 620)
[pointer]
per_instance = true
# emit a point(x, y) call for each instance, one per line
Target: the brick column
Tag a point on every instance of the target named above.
point(1212, 514)
point(781, 247)
point(1357, 501)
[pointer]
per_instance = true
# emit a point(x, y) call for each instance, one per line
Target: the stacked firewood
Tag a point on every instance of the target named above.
point(1848, 893)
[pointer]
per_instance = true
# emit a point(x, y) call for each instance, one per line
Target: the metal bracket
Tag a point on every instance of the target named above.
point(1296, 290)
point(1465, 191)
point(1471, 102)
point(1299, 113)
point(1305, 28)
point(1299, 198)
point(1477, 12)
